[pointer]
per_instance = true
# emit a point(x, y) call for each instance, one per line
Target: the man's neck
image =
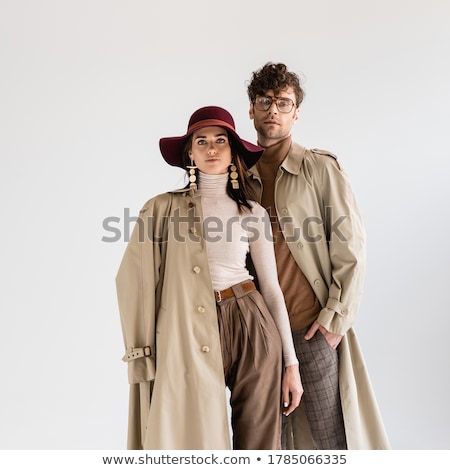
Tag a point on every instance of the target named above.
point(267, 142)
point(277, 151)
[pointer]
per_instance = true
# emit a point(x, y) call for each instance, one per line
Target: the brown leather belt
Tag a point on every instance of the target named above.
point(220, 295)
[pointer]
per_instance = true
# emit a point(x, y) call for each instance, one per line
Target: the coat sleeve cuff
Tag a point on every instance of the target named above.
point(335, 321)
point(136, 353)
point(336, 306)
point(141, 364)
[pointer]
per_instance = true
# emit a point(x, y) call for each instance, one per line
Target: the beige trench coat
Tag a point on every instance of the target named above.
point(314, 203)
point(169, 323)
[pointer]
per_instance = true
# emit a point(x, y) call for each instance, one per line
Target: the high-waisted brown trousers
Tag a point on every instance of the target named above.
point(252, 358)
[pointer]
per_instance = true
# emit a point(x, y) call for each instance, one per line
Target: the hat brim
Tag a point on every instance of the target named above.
point(172, 148)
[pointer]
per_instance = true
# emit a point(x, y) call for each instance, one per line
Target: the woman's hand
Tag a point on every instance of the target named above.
point(291, 388)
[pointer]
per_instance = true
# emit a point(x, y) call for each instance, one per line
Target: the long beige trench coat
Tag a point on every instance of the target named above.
point(321, 223)
point(169, 323)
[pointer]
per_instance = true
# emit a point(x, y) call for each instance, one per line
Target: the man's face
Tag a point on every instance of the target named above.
point(273, 125)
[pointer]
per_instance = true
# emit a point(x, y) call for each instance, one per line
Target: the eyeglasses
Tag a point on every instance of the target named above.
point(263, 103)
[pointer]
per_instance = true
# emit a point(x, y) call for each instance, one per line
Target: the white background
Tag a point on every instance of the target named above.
point(88, 87)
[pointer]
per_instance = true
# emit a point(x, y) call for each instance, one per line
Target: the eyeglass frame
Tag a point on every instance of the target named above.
point(275, 99)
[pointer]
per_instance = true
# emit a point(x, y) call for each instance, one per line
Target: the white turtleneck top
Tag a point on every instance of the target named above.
point(229, 236)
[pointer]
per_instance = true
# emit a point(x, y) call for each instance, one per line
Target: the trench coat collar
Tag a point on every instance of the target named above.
point(182, 190)
point(291, 163)
point(185, 192)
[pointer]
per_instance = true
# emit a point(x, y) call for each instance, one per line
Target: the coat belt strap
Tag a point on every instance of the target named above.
point(136, 353)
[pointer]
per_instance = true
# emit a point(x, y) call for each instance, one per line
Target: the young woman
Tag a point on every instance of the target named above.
point(193, 320)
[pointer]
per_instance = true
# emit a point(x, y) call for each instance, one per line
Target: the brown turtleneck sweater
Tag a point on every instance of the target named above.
point(301, 302)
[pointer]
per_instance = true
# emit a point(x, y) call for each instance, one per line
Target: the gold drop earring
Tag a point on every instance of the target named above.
point(192, 175)
point(234, 176)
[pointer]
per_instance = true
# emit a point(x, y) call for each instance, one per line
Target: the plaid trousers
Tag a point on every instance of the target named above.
point(319, 370)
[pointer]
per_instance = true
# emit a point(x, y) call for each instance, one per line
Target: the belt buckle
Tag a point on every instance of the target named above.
point(219, 295)
point(147, 351)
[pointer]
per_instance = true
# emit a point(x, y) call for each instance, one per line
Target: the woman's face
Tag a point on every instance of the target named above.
point(211, 150)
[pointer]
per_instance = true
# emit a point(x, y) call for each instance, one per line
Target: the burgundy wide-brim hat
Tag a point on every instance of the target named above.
point(172, 147)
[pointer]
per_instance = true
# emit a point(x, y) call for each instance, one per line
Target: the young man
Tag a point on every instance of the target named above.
point(319, 242)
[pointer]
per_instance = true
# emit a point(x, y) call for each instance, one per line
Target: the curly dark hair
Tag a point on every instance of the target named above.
point(274, 77)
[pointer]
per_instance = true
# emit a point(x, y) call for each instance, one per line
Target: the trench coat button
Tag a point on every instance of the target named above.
point(201, 309)
point(344, 311)
point(193, 230)
point(284, 211)
point(205, 349)
point(299, 245)
point(196, 269)
point(191, 204)
point(317, 282)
